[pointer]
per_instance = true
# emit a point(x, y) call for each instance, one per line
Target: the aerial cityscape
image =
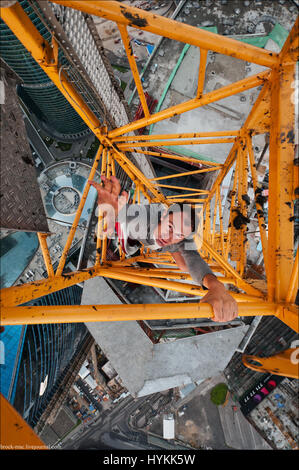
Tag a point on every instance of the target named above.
point(106, 349)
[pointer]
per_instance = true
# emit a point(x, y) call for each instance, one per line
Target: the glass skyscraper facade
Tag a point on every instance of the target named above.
point(37, 91)
point(35, 358)
point(16, 251)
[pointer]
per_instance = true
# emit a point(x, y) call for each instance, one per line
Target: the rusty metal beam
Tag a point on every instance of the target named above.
point(123, 312)
point(137, 18)
point(16, 434)
point(281, 167)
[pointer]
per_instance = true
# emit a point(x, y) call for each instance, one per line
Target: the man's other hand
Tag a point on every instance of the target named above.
point(108, 192)
point(109, 201)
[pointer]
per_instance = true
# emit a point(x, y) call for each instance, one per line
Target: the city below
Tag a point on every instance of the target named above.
point(101, 92)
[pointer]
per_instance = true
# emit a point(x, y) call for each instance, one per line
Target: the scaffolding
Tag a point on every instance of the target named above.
point(224, 249)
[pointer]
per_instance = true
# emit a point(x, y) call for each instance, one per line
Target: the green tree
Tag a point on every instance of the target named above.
point(218, 394)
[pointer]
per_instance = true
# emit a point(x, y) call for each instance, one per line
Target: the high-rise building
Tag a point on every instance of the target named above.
point(36, 90)
point(39, 363)
point(81, 54)
point(269, 401)
point(37, 358)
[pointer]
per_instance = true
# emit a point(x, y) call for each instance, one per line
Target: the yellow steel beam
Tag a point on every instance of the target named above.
point(259, 207)
point(122, 312)
point(181, 135)
point(225, 169)
point(137, 18)
point(281, 167)
point(163, 143)
point(284, 363)
point(191, 289)
point(242, 191)
point(216, 95)
point(193, 172)
point(128, 47)
point(259, 120)
point(201, 72)
point(78, 213)
point(240, 282)
point(220, 220)
point(294, 283)
point(100, 224)
point(15, 433)
point(214, 216)
point(17, 20)
point(17, 295)
point(194, 160)
point(170, 274)
point(42, 238)
point(289, 53)
point(186, 200)
point(20, 294)
point(185, 195)
point(184, 188)
point(137, 175)
point(289, 314)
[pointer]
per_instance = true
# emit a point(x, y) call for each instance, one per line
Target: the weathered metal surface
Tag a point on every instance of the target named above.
point(276, 93)
point(21, 203)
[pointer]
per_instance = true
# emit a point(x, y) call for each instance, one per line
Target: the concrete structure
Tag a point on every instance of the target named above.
point(147, 368)
point(108, 370)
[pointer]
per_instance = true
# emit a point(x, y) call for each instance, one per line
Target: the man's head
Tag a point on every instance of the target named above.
point(177, 223)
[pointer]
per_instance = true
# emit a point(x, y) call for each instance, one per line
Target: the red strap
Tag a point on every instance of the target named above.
point(120, 235)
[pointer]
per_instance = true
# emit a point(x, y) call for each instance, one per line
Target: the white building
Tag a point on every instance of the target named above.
point(91, 382)
point(168, 426)
point(84, 372)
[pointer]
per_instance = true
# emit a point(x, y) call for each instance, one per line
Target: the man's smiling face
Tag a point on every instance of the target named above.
point(172, 228)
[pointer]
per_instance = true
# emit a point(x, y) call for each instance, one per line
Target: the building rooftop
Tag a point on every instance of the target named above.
point(157, 367)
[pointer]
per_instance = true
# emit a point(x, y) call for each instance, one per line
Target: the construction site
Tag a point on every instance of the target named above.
point(103, 338)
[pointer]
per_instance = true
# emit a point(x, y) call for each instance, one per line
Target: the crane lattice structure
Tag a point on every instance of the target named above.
point(273, 113)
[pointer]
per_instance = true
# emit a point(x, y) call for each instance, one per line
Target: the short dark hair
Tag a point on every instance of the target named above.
point(179, 207)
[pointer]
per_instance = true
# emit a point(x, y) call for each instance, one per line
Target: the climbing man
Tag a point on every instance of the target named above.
point(165, 230)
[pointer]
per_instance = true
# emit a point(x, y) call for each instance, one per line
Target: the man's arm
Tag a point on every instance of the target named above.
point(179, 259)
point(224, 305)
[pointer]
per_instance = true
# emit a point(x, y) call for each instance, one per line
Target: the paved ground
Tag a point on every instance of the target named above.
point(239, 434)
point(38, 144)
point(201, 424)
point(204, 425)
